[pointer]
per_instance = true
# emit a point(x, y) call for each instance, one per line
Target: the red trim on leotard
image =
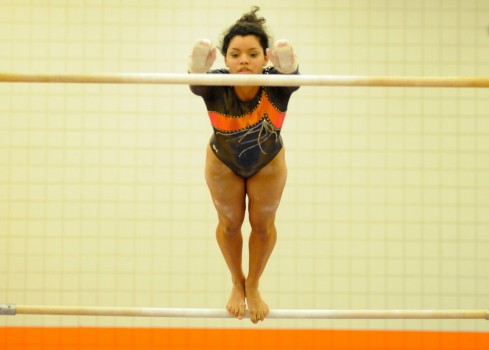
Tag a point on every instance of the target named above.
point(265, 107)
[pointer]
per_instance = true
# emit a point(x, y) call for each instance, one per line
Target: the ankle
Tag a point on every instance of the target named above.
point(250, 284)
point(238, 281)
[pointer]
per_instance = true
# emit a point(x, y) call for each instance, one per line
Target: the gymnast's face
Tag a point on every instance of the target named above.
point(245, 55)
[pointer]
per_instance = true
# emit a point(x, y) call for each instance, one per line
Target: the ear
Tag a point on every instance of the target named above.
point(266, 60)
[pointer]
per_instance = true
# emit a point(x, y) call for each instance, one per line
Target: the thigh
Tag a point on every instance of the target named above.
point(265, 191)
point(227, 191)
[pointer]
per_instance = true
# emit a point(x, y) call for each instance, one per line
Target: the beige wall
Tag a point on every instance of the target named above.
point(102, 195)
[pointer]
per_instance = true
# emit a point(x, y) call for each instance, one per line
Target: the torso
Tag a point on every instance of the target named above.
point(247, 124)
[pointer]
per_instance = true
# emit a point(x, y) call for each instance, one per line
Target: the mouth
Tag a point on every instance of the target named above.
point(244, 71)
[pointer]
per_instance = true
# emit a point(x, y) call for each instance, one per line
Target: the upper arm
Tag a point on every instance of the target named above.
point(288, 90)
point(204, 90)
point(201, 90)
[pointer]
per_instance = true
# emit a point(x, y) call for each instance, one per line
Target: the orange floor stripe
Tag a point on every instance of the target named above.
point(20, 338)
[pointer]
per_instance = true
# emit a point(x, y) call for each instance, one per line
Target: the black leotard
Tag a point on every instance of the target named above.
point(246, 133)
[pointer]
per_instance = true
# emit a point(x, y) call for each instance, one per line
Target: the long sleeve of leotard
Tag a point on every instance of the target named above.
point(206, 91)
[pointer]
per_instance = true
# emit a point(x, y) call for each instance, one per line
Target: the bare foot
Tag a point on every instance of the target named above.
point(236, 305)
point(257, 308)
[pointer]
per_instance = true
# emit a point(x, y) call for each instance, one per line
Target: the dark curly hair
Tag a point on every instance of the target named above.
point(248, 24)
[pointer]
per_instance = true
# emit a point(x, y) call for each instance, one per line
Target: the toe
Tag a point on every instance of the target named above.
point(241, 312)
point(261, 316)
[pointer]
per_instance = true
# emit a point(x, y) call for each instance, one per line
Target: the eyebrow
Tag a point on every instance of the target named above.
point(251, 49)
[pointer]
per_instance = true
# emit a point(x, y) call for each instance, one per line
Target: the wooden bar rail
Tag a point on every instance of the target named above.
point(247, 80)
point(11, 309)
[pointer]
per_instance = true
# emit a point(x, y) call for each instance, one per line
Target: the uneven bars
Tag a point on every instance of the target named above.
point(11, 309)
point(247, 80)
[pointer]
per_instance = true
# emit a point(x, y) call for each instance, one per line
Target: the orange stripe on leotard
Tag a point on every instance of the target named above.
point(265, 108)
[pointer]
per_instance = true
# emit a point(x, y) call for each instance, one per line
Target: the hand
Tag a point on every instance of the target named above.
point(202, 57)
point(282, 57)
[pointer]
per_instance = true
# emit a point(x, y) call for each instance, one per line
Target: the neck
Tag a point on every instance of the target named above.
point(246, 93)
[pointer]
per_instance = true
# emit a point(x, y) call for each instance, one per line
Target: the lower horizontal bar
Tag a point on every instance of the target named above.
point(247, 79)
point(221, 313)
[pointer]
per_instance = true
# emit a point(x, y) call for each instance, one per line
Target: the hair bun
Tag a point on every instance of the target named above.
point(248, 24)
point(251, 17)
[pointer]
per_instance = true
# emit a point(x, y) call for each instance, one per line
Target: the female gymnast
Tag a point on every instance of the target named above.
point(245, 157)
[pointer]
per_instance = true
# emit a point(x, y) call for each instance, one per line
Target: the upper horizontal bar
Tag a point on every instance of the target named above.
point(221, 313)
point(247, 80)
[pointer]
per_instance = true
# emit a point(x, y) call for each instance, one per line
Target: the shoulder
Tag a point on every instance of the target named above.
point(219, 71)
point(280, 90)
point(208, 92)
point(273, 70)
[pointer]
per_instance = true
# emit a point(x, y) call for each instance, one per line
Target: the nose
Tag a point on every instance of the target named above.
point(243, 59)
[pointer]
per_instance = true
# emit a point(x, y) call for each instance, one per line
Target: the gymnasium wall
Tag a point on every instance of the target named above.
point(102, 194)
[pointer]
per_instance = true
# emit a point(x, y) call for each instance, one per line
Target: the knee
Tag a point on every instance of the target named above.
point(229, 228)
point(230, 224)
point(230, 218)
point(262, 218)
point(263, 225)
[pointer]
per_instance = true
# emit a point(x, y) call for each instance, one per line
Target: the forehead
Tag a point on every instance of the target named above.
point(246, 42)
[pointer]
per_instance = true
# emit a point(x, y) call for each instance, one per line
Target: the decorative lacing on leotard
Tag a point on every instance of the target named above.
point(254, 136)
